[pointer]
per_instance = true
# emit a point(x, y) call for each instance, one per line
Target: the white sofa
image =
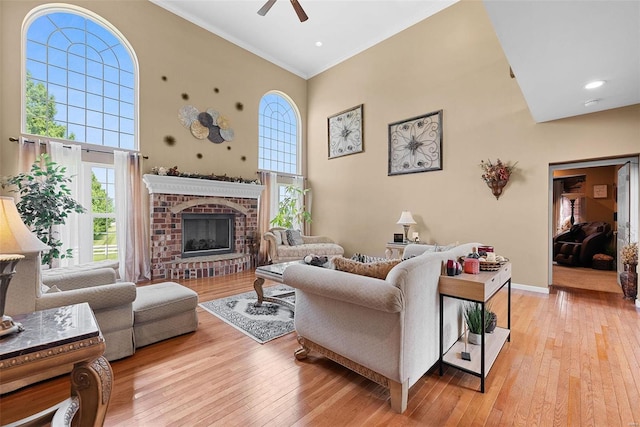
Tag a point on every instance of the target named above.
point(386, 330)
point(281, 251)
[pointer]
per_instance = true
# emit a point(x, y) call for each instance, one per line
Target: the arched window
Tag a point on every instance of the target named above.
point(278, 135)
point(80, 79)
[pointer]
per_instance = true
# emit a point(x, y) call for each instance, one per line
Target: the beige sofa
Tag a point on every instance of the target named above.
point(281, 251)
point(386, 330)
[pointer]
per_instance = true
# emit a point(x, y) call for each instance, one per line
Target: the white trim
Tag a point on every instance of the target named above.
point(158, 184)
point(530, 288)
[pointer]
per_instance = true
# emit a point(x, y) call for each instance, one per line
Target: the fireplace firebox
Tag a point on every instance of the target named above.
point(207, 234)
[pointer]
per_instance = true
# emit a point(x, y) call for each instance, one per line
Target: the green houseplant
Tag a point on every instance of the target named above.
point(473, 317)
point(45, 201)
point(290, 210)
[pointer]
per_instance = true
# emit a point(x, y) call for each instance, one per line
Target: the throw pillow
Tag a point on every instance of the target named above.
point(283, 237)
point(294, 237)
point(378, 269)
point(366, 258)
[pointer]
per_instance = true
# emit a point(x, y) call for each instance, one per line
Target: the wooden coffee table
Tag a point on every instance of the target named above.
point(273, 272)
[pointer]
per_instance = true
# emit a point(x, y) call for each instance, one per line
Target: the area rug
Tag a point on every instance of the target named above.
point(264, 323)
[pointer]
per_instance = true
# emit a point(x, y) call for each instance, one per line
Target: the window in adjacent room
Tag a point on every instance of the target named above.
point(80, 79)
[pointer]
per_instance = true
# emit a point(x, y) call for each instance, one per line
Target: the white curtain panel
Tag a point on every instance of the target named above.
point(122, 205)
point(70, 157)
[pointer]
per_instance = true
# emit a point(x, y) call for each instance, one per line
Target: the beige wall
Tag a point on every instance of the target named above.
point(194, 62)
point(451, 61)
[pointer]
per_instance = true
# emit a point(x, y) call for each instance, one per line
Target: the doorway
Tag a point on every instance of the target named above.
point(584, 194)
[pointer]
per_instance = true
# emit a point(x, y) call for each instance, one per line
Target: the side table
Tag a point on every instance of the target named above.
point(394, 249)
point(478, 288)
point(52, 339)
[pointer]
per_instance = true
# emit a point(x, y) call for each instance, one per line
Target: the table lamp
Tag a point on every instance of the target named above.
point(572, 198)
point(17, 242)
point(406, 220)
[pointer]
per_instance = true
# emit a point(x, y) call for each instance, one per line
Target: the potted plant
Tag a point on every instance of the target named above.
point(45, 201)
point(473, 317)
point(291, 211)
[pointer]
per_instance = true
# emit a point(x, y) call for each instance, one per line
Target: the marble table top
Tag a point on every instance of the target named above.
point(48, 329)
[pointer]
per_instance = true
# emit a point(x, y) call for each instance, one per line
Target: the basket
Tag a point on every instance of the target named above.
point(492, 266)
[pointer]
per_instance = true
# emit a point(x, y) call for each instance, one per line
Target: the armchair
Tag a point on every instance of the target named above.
point(578, 245)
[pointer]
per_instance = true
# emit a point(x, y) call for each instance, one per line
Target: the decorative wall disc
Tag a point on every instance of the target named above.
point(187, 115)
point(199, 131)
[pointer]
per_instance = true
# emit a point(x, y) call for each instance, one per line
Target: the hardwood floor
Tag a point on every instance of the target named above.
point(586, 278)
point(573, 360)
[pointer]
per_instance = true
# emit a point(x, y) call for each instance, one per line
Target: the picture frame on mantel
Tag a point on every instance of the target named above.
point(415, 144)
point(345, 132)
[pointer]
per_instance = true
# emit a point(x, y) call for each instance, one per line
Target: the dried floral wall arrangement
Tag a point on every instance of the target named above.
point(496, 175)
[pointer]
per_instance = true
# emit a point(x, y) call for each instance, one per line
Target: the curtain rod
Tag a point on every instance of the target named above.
point(88, 150)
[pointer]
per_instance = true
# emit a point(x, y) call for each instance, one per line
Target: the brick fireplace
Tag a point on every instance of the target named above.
point(172, 197)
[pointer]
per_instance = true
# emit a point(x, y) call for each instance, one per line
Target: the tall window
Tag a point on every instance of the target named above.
point(80, 80)
point(278, 138)
point(103, 216)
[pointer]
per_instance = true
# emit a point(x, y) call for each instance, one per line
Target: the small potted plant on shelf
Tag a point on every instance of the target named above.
point(473, 317)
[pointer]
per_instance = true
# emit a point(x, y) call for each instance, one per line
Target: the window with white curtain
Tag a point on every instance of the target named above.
point(80, 86)
point(279, 143)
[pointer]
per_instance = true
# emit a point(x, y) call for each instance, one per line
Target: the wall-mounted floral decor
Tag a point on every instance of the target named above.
point(496, 175)
point(207, 124)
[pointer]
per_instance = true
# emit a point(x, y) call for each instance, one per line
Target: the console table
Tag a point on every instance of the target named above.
point(51, 340)
point(478, 288)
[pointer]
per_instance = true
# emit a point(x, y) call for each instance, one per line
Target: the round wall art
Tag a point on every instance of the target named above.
point(208, 124)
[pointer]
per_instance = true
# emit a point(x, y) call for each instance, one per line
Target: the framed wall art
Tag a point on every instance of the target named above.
point(345, 132)
point(415, 145)
point(600, 191)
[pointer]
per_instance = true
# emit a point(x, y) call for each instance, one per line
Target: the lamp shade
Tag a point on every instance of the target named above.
point(15, 236)
point(406, 218)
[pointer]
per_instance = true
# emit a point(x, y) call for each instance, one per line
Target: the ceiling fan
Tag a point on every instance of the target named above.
point(296, 6)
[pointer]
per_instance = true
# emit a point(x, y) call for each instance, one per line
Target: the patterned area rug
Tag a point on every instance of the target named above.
point(263, 323)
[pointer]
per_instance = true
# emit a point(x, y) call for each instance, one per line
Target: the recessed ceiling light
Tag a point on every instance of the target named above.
point(594, 84)
point(591, 102)
point(318, 44)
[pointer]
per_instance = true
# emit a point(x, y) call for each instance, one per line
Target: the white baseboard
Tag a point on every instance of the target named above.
point(530, 288)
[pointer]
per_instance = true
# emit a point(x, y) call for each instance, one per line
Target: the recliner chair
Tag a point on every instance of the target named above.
point(578, 245)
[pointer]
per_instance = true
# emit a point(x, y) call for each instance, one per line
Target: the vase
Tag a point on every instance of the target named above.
point(629, 281)
point(475, 338)
point(496, 186)
point(492, 323)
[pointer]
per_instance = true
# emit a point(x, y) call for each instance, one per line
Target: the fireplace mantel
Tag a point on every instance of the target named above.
point(158, 184)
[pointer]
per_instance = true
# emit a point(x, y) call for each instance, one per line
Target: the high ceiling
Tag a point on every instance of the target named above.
point(554, 47)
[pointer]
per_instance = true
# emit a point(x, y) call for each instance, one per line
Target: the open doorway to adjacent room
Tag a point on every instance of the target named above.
point(593, 212)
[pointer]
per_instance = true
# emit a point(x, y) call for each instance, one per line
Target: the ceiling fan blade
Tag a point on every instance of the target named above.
point(264, 9)
point(299, 11)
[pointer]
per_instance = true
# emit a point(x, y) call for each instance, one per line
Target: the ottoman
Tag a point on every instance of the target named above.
point(602, 262)
point(162, 311)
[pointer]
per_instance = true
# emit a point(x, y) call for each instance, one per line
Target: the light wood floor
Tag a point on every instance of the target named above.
point(586, 278)
point(573, 360)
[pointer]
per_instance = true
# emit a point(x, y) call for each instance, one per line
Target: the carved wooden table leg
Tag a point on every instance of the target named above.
point(257, 285)
point(91, 384)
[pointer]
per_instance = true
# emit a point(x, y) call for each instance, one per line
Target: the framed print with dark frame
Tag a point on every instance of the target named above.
point(345, 132)
point(415, 145)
